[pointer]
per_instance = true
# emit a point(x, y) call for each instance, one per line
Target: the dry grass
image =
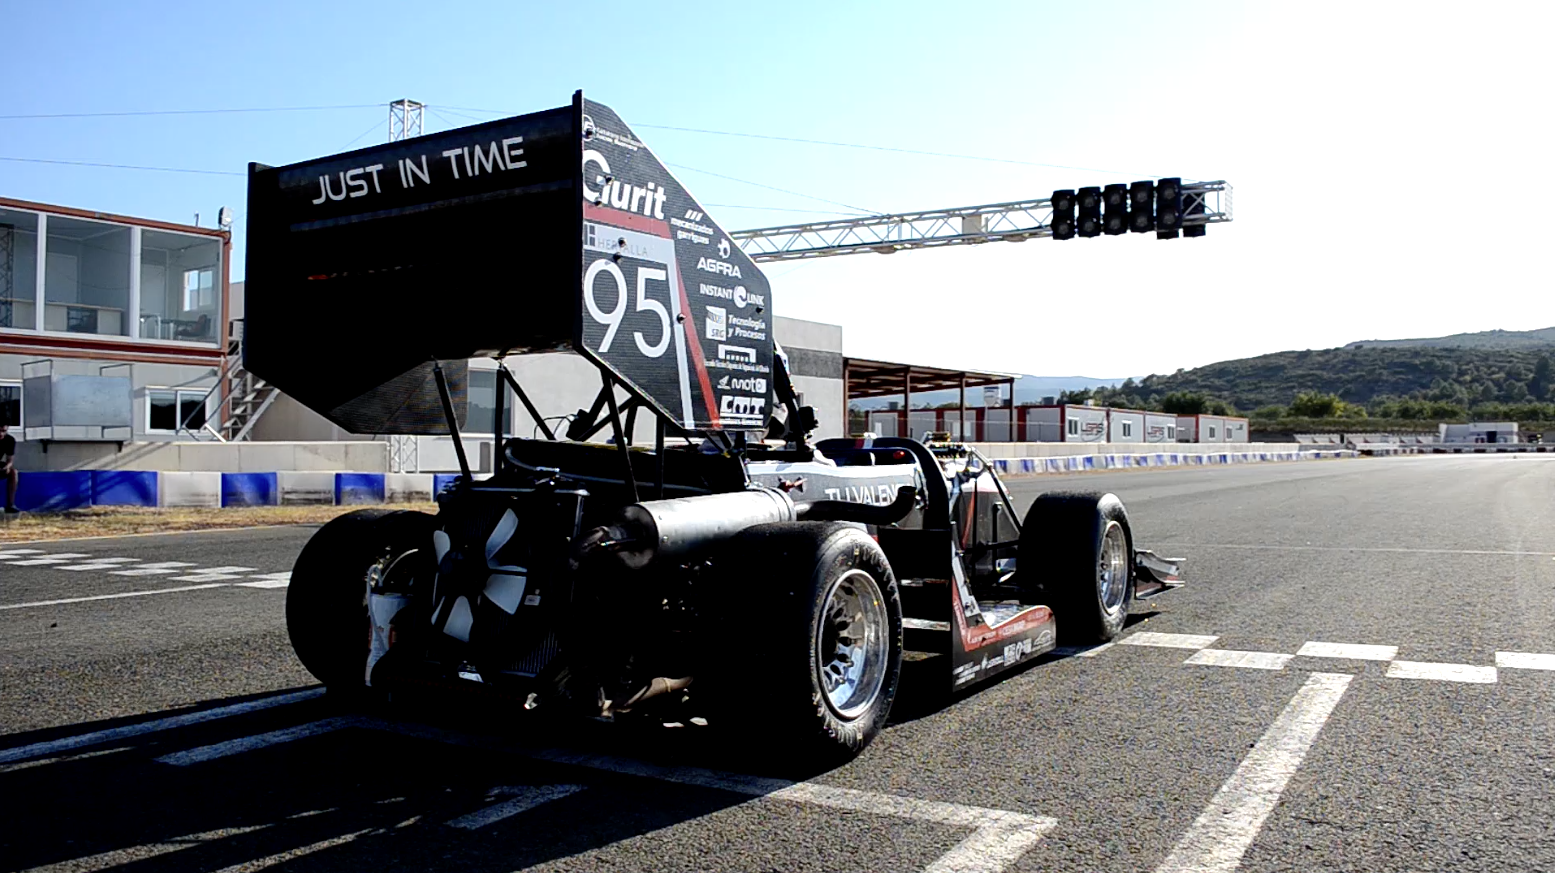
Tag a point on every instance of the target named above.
point(103, 521)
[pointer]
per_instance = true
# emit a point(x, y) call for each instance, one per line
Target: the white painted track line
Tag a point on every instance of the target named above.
point(1168, 641)
point(215, 574)
point(120, 857)
point(257, 741)
point(15, 554)
point(62, 558)
point(1351, 651)
point(1442, 672)
point(1081, 651)
point(1381, 549)
point(120, 594)
point(99, 564)
point(38, 750)
point(161, 568)
point(268, 580)
point(1216, 842)
point(292, 854)
point(1525, 661)
point(999, 837)
point(523, 799)
point(1233, 658)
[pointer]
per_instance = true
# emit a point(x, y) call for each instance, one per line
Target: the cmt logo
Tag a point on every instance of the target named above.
point(693, 215)
point(741, 407)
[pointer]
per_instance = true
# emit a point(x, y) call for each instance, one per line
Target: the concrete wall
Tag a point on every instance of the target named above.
point(143, 377)
point(1055, 450)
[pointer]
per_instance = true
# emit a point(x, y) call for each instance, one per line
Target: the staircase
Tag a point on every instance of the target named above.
point(243, 397)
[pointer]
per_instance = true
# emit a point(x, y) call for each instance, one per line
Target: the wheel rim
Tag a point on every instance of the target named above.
point(853, 644)
point(1112, 575)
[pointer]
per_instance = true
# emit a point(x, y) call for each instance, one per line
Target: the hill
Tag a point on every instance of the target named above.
point(1368, 376)
point(1485, 339)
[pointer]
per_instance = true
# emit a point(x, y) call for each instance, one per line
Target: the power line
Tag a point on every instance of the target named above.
point(878, 148)
point(139, 112)
point(124, 166)
point(857, 209)
point(777, 209)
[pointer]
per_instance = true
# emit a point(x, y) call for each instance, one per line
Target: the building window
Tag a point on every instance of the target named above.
point(1128, 428)
point(179, 287)
point(18, 269)
point(1212, 431)
point(11, 404)
point(86, 279)
point(169, 410)
point(482, 416)
point(1171, 433)
point(1074, 427)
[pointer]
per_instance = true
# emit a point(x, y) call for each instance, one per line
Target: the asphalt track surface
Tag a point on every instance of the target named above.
point(1432, 749)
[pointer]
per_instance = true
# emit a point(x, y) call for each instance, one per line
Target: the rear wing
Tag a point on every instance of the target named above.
point(544, 232)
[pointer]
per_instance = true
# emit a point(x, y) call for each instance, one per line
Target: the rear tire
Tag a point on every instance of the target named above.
point(1076, 554)
point(820, 683)
point(326, 601)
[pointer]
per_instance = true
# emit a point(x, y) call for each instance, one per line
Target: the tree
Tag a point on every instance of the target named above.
point(1268, 412)
point(1539, 386)
point(1185, 403)
point(1312, 404)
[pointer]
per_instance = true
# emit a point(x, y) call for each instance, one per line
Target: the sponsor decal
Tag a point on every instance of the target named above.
point(743, 298)
point(693, 224)
point(872, 495)
point(717, 323)
point(693, 237)
point(481, 158)
point(603, 189)
point(593, 131)
point(753, 384)
point(745, 328)
point(737, 353)
point(735, 407)
point(718, 291)
point(604, 238)
point(1092, 428)
point(723, 248)
point(712, 265)
point(741, 359)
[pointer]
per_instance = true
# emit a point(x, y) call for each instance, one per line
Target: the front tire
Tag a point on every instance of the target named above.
point(821, 687)
point(1076, 552)
point(326, 601)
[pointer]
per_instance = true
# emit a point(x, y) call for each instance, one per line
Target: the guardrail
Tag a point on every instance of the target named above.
point(58, 491)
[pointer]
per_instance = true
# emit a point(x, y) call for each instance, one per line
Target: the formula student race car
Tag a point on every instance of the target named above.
point(726, 567)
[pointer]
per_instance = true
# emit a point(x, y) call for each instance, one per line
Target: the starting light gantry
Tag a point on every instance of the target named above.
point(1166, 206)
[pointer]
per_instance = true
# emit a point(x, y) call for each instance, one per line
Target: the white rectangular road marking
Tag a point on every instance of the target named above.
point(998, 839)
point(13, 554)
point(1441, 672)
point(100, 564)
point(1525, 661)
point(292, 854)
point(1352, 651)
point(61, 558)
point(1216, 842)
point(522, 799)
point(257, 741)
point(1168, 641)
point(161, 568)
point(1232, 658)
point(65, 600)
point(268, 580)
point(215, 574)
point(110, 735)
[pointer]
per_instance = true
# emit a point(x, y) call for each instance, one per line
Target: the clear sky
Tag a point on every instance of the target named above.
point(1385, 156)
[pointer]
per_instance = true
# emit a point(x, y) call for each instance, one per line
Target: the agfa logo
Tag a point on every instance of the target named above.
point(723, 248)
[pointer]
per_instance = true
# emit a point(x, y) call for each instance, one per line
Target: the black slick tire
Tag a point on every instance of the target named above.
point(794, 584)
point(1060, 563)
point(326, 601)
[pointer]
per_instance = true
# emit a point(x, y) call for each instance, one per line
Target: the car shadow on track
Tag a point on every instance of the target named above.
point(375, 789)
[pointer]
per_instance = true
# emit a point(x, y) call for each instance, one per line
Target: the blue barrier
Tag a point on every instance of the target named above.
point(249, 489)
point(441, 481)
point(124, 488)
point(49, 491)
point(352, 489)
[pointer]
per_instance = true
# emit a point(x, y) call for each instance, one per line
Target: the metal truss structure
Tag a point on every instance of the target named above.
point(1202, 203)
point(405, 119)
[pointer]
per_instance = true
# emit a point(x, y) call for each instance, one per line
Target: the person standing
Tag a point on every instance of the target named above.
point(8, 467)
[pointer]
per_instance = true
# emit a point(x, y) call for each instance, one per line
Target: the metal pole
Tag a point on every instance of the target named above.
point(658, 448)
point(500, 388)
point(962, 435)
point(524, 399)
point(615, 424)
point(448, 416)
point(907, 402)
